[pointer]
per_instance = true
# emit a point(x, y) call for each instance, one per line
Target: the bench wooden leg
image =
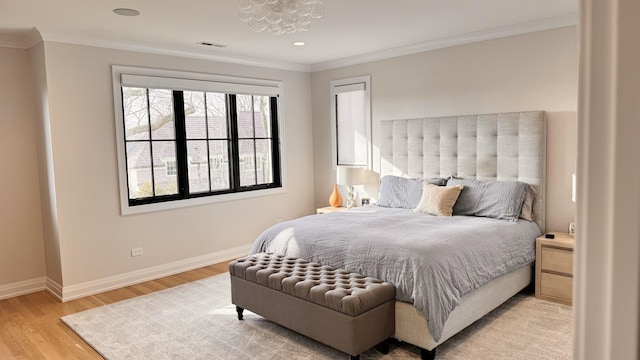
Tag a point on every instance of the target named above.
point(427, 354)
point(383, 347)
point(239, 310)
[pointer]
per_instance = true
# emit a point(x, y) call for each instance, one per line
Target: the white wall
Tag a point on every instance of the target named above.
point(21, 245)
point(94, 238)
point(607, 254)
point(536, 71)
point(48, 209)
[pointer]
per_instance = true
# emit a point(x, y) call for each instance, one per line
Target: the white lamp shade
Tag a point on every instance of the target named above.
point(350, 175)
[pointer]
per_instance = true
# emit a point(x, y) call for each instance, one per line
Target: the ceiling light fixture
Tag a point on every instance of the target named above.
point(126, 12)
point(280, 16)
point(299, 43)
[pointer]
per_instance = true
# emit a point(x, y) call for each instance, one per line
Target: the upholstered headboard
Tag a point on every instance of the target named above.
point(509, 146)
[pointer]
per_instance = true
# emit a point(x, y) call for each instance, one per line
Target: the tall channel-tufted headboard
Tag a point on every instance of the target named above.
point(509, 146)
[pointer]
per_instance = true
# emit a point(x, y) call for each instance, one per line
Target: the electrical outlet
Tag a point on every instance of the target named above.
point(572, 229)
point(136, 252)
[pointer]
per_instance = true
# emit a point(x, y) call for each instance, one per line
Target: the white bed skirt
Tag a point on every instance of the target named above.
point(411, 325)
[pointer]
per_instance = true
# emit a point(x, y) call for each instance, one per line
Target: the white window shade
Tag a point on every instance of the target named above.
point(219, 86)
point(349, 88)
point(353, 142)
point(351, 122)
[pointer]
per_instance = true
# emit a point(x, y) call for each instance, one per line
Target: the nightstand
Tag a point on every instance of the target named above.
point(554, 268)
point(329, 209)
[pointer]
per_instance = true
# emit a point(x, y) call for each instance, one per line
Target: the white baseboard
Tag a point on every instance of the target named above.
point(54, 288)
point(118, 281)
point(22, 287)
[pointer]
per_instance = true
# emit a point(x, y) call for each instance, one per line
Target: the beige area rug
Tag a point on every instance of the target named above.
point(198, 321)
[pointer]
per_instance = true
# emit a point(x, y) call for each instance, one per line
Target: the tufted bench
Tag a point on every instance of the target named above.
point(345, 310)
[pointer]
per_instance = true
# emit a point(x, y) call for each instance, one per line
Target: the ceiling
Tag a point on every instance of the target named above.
point(349, 30)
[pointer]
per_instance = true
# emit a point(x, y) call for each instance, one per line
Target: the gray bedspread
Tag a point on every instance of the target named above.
point(431, 260)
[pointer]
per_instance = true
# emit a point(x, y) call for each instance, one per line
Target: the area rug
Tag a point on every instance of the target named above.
point(198, 321)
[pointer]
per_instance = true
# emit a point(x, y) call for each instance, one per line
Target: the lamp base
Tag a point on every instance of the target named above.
point(351, 197)
point(572, 229)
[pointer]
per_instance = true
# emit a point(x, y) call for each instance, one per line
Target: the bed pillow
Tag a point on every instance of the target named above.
point(495, 199)
point(438, 200)
point(399, 192)
point(438, 181)
point(527, 207)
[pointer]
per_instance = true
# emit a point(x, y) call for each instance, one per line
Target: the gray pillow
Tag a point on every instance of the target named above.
point(399, 192)
point(438, 181)
point(495, 199)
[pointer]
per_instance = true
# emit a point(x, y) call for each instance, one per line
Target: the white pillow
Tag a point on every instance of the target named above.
point(438, 200)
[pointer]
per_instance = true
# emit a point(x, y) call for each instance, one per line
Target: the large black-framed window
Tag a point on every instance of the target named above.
point(183, 144)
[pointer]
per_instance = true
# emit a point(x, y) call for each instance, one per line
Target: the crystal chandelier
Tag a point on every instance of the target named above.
point(280, 16)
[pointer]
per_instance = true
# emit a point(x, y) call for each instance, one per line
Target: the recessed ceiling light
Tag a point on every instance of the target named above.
point(126, 12)
point(299, 43)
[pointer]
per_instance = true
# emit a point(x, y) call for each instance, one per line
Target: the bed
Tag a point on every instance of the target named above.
point(448, 271)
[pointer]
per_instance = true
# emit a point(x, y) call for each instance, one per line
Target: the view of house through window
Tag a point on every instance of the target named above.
point(182, 144)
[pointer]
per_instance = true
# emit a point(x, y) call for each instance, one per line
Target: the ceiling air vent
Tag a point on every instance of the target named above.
point(205, 43)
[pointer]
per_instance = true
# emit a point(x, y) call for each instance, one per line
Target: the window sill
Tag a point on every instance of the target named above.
point(126, 209)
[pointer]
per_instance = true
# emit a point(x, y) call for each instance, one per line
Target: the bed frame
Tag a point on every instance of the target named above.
point(508, 146)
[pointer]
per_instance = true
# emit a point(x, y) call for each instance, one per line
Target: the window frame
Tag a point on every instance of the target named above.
point(334, 90)
point(229, 84)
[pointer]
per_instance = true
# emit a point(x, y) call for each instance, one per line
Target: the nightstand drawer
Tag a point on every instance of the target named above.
point(557, 286)
point(557, 260)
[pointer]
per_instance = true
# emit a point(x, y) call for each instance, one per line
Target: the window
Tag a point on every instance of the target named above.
point(351, 121)
point(184, 139)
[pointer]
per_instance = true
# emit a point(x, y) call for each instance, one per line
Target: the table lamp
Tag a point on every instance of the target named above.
point(350, 176)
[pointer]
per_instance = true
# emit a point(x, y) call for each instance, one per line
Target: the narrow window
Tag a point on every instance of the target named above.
point(351, 122)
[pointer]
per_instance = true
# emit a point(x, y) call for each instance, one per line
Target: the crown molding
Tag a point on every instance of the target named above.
point(11, 43)
point(23, 39)
point(467, 38)
point(212, 55)
point(27, 41)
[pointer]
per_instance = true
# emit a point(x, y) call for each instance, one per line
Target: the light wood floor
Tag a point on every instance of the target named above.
point(30, 326)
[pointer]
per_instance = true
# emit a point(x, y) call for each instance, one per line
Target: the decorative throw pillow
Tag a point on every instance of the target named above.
point(527, 207)
point(438, 200)
point(495, 199)
point(399, 192)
